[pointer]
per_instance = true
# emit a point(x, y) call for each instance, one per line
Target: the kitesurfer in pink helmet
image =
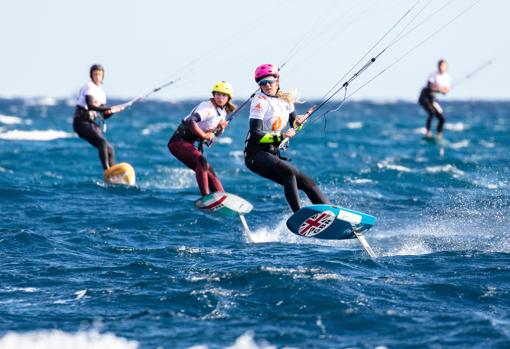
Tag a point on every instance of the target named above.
point(271, 110)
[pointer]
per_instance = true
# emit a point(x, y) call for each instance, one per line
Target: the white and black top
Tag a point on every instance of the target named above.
point(438, 81)
point(206, 115)
point(95, 92)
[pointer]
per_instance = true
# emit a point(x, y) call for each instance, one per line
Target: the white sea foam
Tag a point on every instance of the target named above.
point(35, 135)
point(171, 178)
point(5, 170)
point(52, 175)
point(332, 145)
point(490, 292)
point(409, 247)
point(280, 233)
point(457, 127)
point(209, 251)
point(271, 234)
point(290, 271)
point(409, 241)
point(459, 145)
point(21, 289)
point(328, 276)
point(486, 183)
point(436, 233)
point(188, 250)
point(80, 294)
point(223, 140)
point(10, 120)
point(354, 125)
point(487, 144)
point(420, 130)
point(456, 173)
point(156, 128)
point(385, 164)
point(198, 278)
point(358, 180)
point(62, 340)
point(42, 101)
point(245, 341)
point(499, 324)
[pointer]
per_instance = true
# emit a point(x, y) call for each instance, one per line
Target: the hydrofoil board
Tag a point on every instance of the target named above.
point(224, 203)
point(331, 223)
point(122, 173)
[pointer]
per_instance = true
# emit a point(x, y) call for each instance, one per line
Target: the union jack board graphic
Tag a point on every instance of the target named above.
point(315, 224)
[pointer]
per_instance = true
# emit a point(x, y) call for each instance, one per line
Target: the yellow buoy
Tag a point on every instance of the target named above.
point(122, 173)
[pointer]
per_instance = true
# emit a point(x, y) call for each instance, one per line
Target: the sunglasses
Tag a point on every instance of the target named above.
point(266, 81)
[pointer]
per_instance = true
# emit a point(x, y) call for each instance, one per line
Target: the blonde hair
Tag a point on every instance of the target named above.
point(290, 97)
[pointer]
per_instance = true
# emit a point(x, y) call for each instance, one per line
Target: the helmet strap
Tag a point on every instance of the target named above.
point(274, 96)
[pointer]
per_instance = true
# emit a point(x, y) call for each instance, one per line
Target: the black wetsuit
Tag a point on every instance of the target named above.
point(85, 125)
point(429, 102)
point(264, 159)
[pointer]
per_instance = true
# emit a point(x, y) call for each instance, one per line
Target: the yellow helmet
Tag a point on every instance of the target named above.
point(223, 87)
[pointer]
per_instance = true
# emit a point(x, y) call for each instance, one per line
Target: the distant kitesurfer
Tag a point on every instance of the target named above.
point(438, 82)
point(271, 109)
point(204, 122)
point(91, 110)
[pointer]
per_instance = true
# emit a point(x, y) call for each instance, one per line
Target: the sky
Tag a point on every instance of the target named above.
point(48, 46)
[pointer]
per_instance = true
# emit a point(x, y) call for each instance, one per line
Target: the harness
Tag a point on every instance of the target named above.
point(90, 116)
point(183, 132)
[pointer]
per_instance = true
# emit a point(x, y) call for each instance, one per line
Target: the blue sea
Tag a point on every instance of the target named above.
point(89, 265)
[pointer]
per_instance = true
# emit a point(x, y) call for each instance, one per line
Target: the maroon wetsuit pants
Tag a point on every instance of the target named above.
point(186, 152)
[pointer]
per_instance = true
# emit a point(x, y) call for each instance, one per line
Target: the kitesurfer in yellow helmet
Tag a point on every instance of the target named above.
point(203, 124)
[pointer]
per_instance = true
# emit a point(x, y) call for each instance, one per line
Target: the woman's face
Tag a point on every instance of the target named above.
point(97, 76)
point(269, 87)
point(221, 99)
point(442, 67)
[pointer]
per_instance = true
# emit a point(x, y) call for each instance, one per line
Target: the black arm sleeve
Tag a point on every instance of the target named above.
point(430, 88)
point(257, 135)
point(91, 106)
point(256, 129)
point(292, 118)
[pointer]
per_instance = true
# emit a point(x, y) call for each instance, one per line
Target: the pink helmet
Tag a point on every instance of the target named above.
point(266, 70)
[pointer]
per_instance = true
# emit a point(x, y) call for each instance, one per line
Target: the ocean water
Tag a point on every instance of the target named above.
point(87, 265)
